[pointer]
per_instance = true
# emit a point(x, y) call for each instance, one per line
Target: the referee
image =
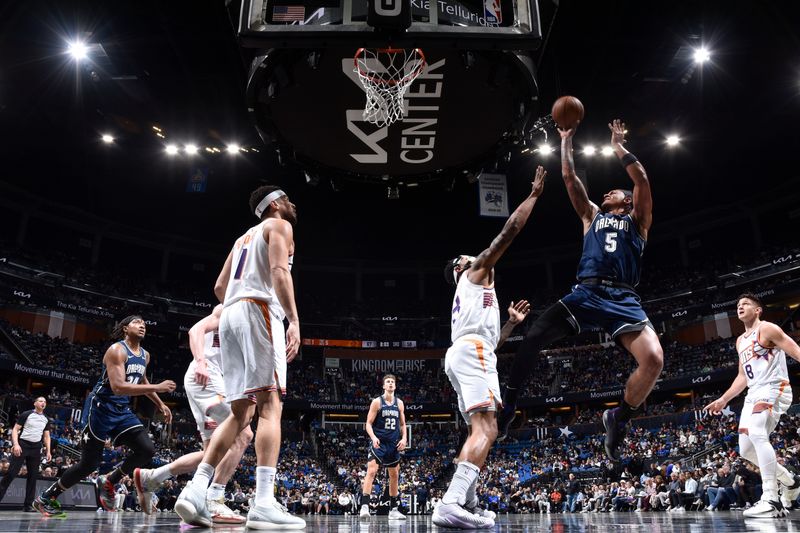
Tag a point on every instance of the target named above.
point(30, 431)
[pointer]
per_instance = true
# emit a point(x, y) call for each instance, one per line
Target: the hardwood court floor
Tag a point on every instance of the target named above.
point(694, 522)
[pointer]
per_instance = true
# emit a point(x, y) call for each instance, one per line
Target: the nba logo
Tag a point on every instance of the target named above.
point(492, 11)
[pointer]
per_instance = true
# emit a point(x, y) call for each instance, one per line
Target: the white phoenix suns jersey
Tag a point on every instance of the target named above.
point(211, 351)
point(475, 312)
point(763, 367)
point(250, 271)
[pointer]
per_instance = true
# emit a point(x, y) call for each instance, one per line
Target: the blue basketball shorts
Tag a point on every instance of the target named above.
point(614, 310)
point(105, 420)
point(386, 454)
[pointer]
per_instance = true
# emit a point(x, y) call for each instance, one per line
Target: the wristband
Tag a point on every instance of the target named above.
point(627, 159)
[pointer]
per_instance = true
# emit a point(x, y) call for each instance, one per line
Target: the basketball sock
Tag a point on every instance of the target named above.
point(115, 476)
point(53, 491)
point(365, 499)
point(392, 502)
point(161, 474)
point(265, 485)
point(202, 477)
point(472, 496)
point(215, 491)
point(627, 411)
point(465, 475)
point(767, 464)
point(510, 396)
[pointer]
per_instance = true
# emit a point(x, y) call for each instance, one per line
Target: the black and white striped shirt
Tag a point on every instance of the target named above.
point(33, 426)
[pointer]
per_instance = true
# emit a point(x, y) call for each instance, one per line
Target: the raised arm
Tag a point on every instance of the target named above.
point(577, 192)
point(279, 236)
point(481, 269)
point(642, 212)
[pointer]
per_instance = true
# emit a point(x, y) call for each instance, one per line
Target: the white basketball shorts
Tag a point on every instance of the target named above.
point(253, 349)
point(774, 400)
point(471, 365)
point(208, 404)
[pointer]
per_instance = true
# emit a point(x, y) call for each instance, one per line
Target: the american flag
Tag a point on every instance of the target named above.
point(488, 298)
point(288, 13)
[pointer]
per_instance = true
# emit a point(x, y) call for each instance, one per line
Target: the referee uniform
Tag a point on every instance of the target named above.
point(33, 430)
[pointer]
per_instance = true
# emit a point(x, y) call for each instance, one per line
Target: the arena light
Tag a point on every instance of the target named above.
point(673, 140)
point(78, 50)
point(190, 149)
point(701, 55)
point(544, 149)
point(607, 151)
point(171, 149)
point(106, 138)
point(232, 148)
point(589, 150)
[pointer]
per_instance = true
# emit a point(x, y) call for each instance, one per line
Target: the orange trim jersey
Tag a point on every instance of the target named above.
point(763, 367)
point(250, 271)
point(475, 312)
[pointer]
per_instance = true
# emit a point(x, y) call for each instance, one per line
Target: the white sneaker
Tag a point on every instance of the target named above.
point(271, 516)
point(395, 514)
point(484, 513)
point(192, 508)
point(222, 514)
point(765, 509)
point(145, 487)
point(453, 515)
point(363, 514)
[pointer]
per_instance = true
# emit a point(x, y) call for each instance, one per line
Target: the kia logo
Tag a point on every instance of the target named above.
point(415, 407)
point(554, 399)
point(702, 379)
point(680, 313)
point(22, 294)
point(783, 259)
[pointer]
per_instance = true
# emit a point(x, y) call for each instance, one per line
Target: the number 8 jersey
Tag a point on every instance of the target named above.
point(250, 271)
point(763, 367)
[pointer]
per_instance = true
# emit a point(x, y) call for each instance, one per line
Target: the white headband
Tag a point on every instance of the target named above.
point(271, 197)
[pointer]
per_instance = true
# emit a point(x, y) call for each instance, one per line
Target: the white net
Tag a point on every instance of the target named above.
point(386, 73)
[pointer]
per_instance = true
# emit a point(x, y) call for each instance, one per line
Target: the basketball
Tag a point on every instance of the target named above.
point(567, 111)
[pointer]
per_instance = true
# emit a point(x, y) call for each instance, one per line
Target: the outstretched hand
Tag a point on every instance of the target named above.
point(716, 406)
point(537, 185)
point(517, 312)
point(617, 128)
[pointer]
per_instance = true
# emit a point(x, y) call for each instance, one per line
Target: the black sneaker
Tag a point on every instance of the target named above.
point(105, 493)
point(615, 433)
point(48, 506)
point(28, 509)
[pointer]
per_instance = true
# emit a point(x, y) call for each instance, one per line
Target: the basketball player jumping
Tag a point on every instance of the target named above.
point(205, 390)
point(256, 288)
point(762, 349)
point(471, 365)
point(614, 236)
point(107, 415)
point(386, 427)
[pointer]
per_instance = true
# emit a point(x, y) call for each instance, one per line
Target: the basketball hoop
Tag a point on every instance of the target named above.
point(386, 74)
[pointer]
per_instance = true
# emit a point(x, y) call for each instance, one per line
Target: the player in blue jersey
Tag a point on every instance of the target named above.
point(107, 415)
point(386, 427)
point(614, 236)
